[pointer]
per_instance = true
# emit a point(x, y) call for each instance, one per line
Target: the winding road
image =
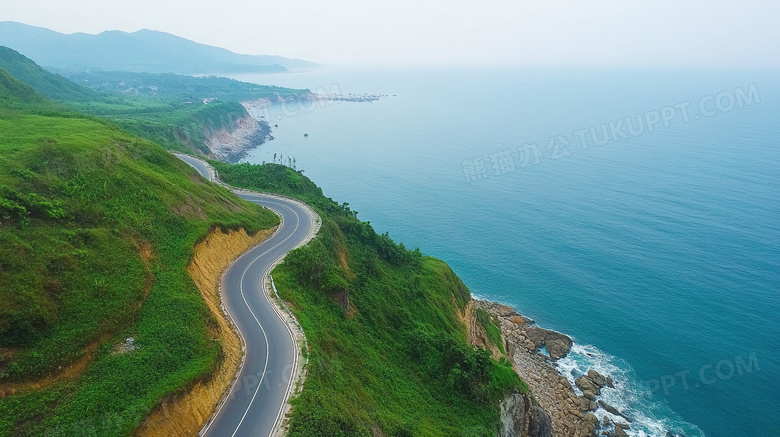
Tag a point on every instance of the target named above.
point(256, 402)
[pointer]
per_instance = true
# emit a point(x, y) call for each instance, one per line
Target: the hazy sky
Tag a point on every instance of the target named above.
point(742, 33)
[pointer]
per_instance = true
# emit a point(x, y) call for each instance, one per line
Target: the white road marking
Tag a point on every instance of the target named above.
point(273, 201)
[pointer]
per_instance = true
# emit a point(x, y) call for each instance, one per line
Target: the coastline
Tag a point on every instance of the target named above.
point(575, 409)
point(232, 144)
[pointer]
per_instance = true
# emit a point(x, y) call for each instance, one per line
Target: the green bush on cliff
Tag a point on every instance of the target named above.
point(491, 328)
point(388, 349)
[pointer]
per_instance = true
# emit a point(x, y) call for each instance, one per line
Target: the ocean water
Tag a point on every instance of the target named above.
point(654, 243)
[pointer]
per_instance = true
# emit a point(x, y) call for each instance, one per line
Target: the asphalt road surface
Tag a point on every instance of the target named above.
point(255, 404)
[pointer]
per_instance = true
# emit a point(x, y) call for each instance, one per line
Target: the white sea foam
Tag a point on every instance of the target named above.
point(651, 417)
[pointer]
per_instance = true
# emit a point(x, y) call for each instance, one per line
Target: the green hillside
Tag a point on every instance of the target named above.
point(97, 227)
point(52, 86)
point(388, 351)
point(170, 120)
point(14, 93)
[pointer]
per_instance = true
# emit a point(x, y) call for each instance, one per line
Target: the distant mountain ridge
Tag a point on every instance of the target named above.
point(142, 51)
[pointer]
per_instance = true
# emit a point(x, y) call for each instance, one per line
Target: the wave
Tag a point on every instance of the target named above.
point(651, 417)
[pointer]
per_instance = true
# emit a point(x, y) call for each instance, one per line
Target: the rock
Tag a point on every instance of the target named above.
point(621, 425)
point(586, 384)
point(619, 432)
point(520, 320)
point(536, 335)
point(540, 424)
point(606, 421)
point(597, 378)
point(558, 347)
point(610, 382)
point(589, 425)
point(513, 415)
point(589, 394)
point(613, 410)
point(585, 404)
point(504, 311)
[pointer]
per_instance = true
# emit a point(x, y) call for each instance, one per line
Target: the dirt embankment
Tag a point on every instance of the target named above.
point(184, 415)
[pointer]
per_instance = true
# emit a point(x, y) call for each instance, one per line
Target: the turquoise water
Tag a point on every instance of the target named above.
point(659, 252)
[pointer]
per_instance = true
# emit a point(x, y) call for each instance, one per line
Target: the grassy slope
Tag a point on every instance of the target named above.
point(395, 358)
point(82, 206)
point(15, 94)
point(166, 119)
point(52, 86)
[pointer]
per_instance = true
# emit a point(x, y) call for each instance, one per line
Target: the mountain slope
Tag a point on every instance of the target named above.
point(141, 51)
point(50, 85)
point(161, 116)
point(14, 92)
point(97, 228)
point(388, 351)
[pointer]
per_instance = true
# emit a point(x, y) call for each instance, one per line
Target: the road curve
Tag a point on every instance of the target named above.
point(256, 401)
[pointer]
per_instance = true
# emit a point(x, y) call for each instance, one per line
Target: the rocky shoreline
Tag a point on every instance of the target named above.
point(554, 408)
point(232, 144)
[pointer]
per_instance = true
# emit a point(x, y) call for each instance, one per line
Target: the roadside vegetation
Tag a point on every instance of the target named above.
point(388, 349)
point(97, 227)
point(99, 320)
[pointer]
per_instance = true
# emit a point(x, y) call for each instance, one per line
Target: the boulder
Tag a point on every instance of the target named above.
point(540, 424)
point(589, 425)
point(586, 404)
point(503, 310)
point(613, 410)
point(536, 335)
point(558, 345)
point(513, 415)
point(587, 385)
point(597, 378)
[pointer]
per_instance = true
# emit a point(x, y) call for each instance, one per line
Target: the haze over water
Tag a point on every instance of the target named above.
point(659, 252)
